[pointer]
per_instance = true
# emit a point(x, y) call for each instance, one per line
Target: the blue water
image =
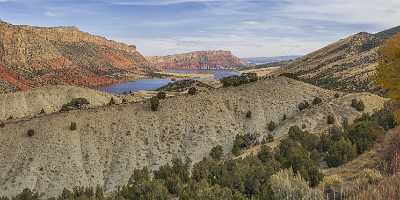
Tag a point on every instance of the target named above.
point(153, 84)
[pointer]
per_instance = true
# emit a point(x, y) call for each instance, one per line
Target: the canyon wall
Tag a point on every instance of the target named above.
point(197, 60)
point(38, 56)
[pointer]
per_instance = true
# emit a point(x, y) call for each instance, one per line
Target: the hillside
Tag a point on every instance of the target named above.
point(50, 99)
point(197, 60)
point(37, 56)
point(111, 141)
point(347, 65)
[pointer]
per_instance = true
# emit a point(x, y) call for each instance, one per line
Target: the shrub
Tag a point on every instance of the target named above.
point(268, 139)
point(386, 117)
point(77, 103)
point(317, 101)
point(31, 132)
point(154, 103)
point(239, 80)
point(73, 126)
point(358, 105)
point(192, 91)
point(272, 126)
point(243, 142)
point(291, 154)
point(161, 95)
point(112, 101)
point(303, 106)
point(265, 154)
point(248, 114)
point(330, 119)
point(337, 95)
point(284, 117)
point(288, 185)
point(341, 152)
point(42, 111)
point(2, 124)
point(364, 134)
point(217, 152)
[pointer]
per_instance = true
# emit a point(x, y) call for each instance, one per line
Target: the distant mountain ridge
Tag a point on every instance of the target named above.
point(218, 59)
point(37, 56)
point(267, 60)
point(347, 65)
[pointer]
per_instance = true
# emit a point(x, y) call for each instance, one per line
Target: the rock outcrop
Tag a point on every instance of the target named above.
point(111, 141)
point(347, 65)
point(38, 56)
point(197, 60)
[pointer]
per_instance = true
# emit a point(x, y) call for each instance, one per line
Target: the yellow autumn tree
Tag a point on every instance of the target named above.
point(388, 71)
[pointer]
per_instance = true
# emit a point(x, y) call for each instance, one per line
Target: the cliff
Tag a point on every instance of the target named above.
point(36, 56)
point(197, 60)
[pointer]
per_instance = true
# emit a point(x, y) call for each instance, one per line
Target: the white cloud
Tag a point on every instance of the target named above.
point(380, 13)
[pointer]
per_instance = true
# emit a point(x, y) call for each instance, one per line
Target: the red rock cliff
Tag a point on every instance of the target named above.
point(36, 56)
point(197, 60)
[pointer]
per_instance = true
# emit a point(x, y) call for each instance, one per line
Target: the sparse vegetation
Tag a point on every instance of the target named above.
point(154, 103)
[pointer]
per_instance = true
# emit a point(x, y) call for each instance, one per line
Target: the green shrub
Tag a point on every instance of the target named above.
point(239, 80)
point(154, 103)
point(268, 139)
point(317, 101)
point(386, 117)
point(161, 95)
point(364, 134)
point(243, 142)
point(291, 154)
point(217, 152)
point(330, 119)
point(265, 154)
point(358, 105)
point(77, 103)
point(73, 126)
point(341, 152)
point(272, 126)
point(30, 132)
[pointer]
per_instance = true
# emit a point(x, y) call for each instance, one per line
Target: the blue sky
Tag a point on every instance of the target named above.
point(248, 28)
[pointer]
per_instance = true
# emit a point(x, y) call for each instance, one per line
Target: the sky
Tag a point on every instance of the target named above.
point(248, 28)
